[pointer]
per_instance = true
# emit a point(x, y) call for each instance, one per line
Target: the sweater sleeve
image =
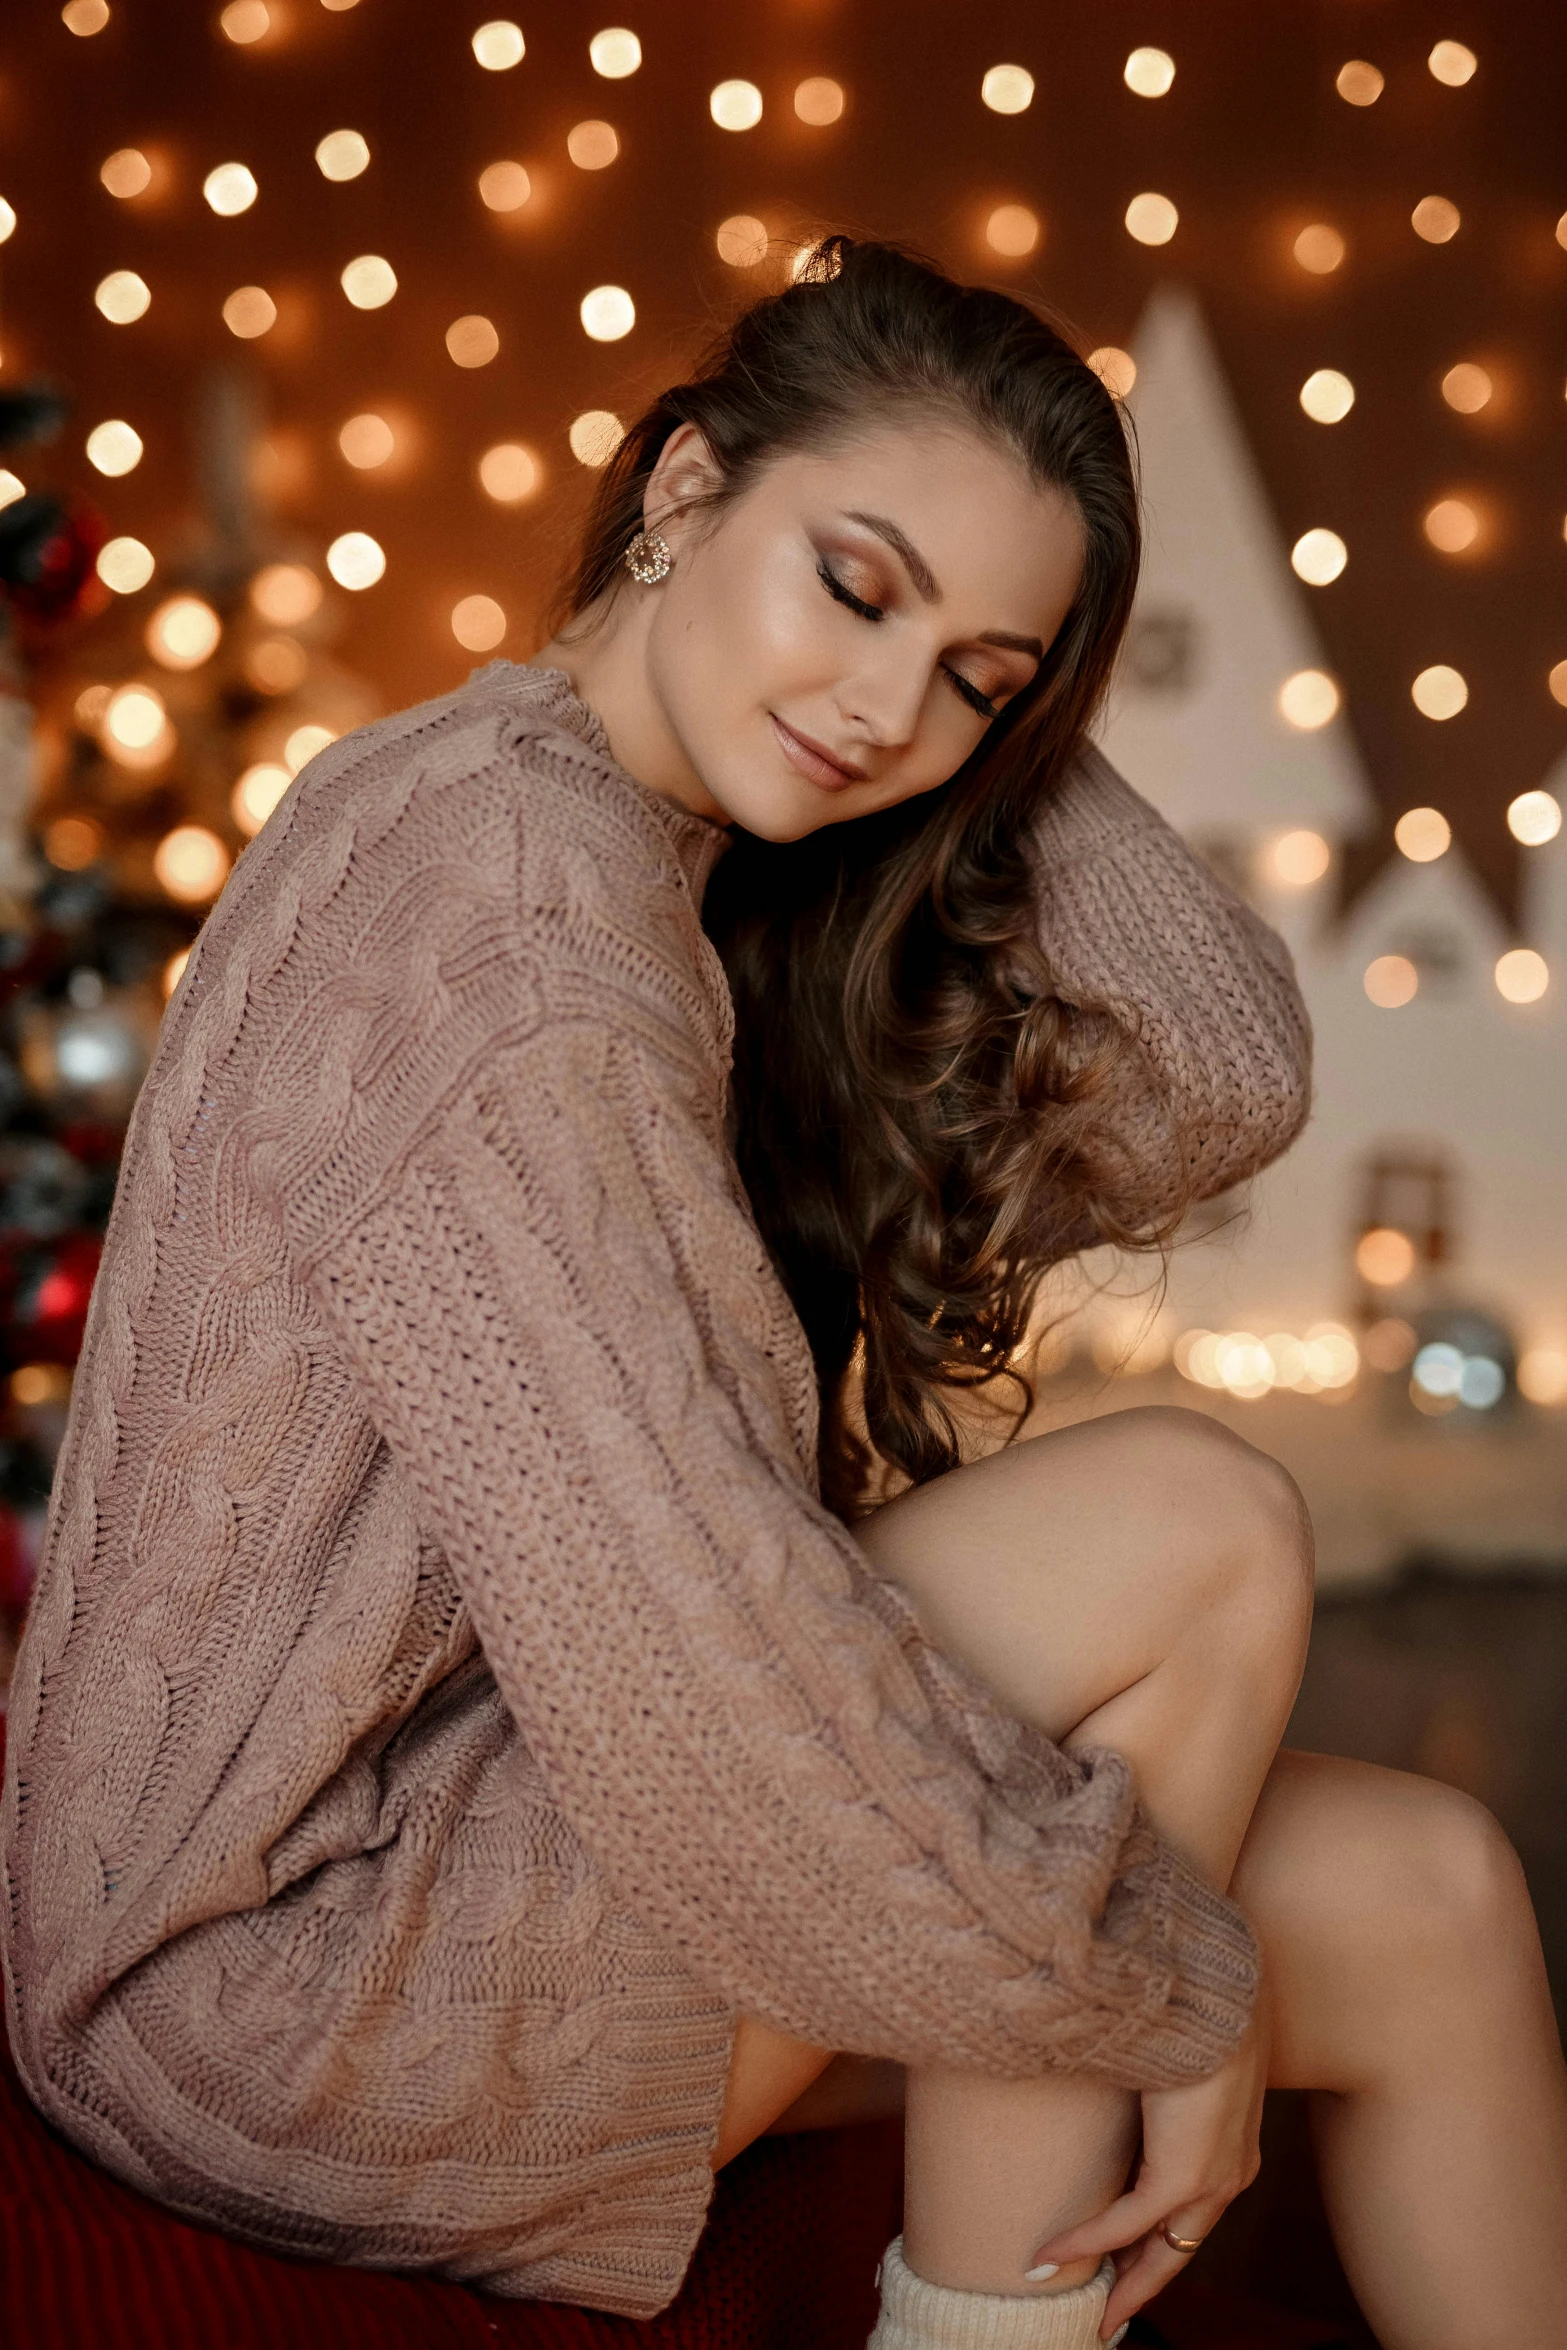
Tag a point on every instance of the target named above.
point(742, 1725)
point(1132, 919)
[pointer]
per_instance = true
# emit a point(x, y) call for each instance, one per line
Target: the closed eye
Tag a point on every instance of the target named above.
point(970, 693)
point(845, 595)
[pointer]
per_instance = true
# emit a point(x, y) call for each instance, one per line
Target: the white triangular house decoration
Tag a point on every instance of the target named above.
point(1221, 620)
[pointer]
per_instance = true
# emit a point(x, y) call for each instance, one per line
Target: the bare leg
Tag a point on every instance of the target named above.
point(1403, 1965)
point(1407, 1983)
point(1140, 1582)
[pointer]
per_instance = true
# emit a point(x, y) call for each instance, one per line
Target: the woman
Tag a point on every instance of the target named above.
point(464, 1783)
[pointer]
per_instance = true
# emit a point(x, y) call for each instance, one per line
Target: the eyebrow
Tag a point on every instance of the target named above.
point(924, 578)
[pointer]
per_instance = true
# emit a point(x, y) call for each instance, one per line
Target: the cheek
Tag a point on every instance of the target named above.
point(756, 621)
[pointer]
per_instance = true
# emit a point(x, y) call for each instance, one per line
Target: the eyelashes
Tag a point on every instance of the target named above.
point(980, 703)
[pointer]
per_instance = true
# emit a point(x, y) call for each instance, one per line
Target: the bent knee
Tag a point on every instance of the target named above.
point(1237, 1512)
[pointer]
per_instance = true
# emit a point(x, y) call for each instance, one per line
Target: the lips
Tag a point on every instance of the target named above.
point(813, 761)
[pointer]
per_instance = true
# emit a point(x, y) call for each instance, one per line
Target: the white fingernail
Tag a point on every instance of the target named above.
point(1046, 2268)
point(1120, 2334)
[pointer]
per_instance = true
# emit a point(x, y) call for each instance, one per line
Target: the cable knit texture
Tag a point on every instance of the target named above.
point(446, 1701)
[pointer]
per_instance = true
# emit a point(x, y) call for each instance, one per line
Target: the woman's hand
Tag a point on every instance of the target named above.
point(1199, 2151)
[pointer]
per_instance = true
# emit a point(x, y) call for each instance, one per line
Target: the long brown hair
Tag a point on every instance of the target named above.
point(919, 1118)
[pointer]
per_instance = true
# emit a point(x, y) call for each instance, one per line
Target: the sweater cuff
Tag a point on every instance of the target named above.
point(1215, 1972)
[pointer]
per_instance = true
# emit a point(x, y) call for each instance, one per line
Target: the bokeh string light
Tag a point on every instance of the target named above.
point(593, 146)
point(1152, 219)
point(369, 281)
point(1308, 700)
point(366, 441)
point(114, 447)
point(126, 172)
point(1318, 557)
point(735, 106)
point(1012, 230)
point(819, 101)
point(594, 437)
point(249, 311)
point(1467, 388)
point(343, 155)
point(607, 313)
point(615, 53)
point(1007, 89)
point(1452, 63)
point(1422, 835)
point(741, 240)
point(1150, 72)
point(1327, 396)
point(1534, 818)
point(356, 560)
point(1440, 692)
point(230, 189)
point(1435, 219)
point(122, 296)
point(509, 473)
point(1522, 976)
point(1391, 981)
point(499, 45)
point(1451, 525)
point(1359, 83)
point(1319, 249)
point(1115, 368)
point(504, 187)
point(472, 341)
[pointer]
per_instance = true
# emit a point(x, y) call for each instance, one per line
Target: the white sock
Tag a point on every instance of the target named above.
point(918, 2316)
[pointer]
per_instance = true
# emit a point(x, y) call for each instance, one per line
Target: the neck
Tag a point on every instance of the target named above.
point(604, 652)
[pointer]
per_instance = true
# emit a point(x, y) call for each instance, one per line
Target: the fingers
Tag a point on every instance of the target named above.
point(1150, 2269)
point(1135, 2214)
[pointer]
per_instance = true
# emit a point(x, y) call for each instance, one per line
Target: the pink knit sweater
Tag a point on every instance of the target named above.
point(446, 1701)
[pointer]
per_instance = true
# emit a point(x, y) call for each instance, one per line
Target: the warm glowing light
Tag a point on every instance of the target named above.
point(1534, 818)
point(1423, 835)
point(1012, 229)
point(174, 971)
point(1452, 63)
point(91, 705)
point(114, 447)
point(126, 172)
point(366, 441)
point(369, 282)
point(342, 155)
point(1327, 396)
point(1151, 219)
point(84, 17)
point(1299, 858)
point(478, 623)
point(355, 560)
point(1149, 72)
point(1115, 368)
point(286, 593)
point(134, 718)
point(191, 864)
point(472, 341)
point(614, 53)
point(12, 487)
point(736, 106)
point(1308, 699)
point(1435, 219)
point(1358, 83)
point(250, 311)
point(499, 45)
point(1439, 692)
point(1251, 1367)
point(122, 296)
point(595, 436)
point(741, 240)
point(504, 187)
point(256, 794)
point(1385, 1257)
point(1557, 680)
point(40, 1383)
point(125, 565)
point(607, 313)
point(1008, 89)
point(509, 473)
point(230, 189)
point(1451, 525)
point(1391, 981)
point(1318, 557)
point(818, 101)
point(1466, 388)
point(276, 664)
point(592, 146)
point(1319, 249)
point(73, 843)
point(244, 21)
point(1561, 230)
point(1542, 1374)
point(1522, 976)
point(303, 744)
point(183, 632)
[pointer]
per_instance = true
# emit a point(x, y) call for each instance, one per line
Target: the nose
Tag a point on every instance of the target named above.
point(885, 699)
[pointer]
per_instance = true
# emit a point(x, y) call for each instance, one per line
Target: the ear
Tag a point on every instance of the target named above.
point(686, 470)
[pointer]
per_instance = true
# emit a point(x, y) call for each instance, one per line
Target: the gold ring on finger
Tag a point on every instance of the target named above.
point(1178, 2243)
